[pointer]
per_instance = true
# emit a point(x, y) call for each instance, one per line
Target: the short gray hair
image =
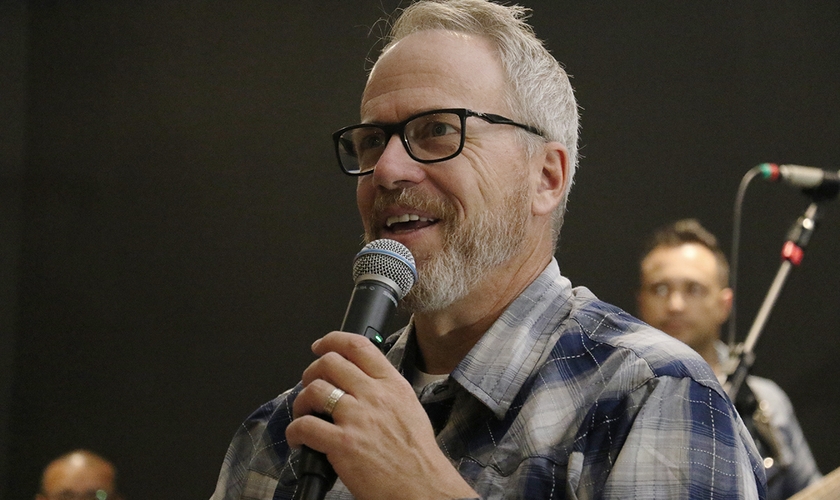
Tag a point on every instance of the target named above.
point(539, 90)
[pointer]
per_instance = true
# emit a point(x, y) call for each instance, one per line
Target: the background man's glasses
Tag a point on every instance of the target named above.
point(690, 291)
point(76, 495)
point(428, 137)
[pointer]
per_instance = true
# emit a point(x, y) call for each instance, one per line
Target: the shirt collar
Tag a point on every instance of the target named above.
point(512, 349)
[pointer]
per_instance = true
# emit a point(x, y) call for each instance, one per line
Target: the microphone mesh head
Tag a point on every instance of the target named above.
point(387, 258)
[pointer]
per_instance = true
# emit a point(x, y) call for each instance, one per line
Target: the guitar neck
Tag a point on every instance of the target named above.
point(827, 488)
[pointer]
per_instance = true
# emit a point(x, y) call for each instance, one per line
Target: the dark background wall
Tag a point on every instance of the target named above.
point(13, 29)
point(176, 234)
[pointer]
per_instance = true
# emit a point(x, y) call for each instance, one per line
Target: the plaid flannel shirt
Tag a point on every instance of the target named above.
point(564, 397)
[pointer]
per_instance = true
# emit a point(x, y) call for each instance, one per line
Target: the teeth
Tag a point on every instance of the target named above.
point(405, 218)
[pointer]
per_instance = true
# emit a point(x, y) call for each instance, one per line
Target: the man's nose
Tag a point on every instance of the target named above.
point(395, 168)
point(676, 301)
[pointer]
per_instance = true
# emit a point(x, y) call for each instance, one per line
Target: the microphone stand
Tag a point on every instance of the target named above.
point(792, 252)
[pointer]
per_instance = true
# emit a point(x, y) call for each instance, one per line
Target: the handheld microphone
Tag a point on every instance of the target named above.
point(384, 272)
point(801, 177)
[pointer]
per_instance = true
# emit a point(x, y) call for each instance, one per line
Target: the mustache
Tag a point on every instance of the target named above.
point(411, 198)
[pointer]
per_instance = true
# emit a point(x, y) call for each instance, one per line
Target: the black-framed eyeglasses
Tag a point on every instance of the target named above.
point(428, 137)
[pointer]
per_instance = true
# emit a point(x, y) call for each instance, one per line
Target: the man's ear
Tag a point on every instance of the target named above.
point(725, 300)
point(553, 178)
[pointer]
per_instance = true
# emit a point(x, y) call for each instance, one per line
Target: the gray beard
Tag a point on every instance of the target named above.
point(471, 249)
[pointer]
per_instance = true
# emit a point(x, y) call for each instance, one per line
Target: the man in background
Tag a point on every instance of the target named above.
point(684, 278)
point(79, 475)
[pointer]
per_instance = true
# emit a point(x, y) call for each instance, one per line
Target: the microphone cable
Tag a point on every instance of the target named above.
point(733, 256)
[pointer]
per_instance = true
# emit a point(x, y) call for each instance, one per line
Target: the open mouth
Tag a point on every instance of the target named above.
point(408, 222)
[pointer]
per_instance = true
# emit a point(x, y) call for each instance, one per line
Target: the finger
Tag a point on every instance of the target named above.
point(335, 369)
point(312, 431)
point(315, 398)
point(358, 350)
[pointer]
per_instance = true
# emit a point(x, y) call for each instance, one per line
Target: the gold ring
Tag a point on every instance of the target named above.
point(332, 400)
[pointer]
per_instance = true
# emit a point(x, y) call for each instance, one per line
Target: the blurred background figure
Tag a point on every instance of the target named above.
point(684, 291)
point(79, 475)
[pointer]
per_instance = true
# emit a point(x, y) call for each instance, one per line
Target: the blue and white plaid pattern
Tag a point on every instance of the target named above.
point(564, 397)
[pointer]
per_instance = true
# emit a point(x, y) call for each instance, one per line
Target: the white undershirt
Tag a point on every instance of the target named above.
point(420, 379)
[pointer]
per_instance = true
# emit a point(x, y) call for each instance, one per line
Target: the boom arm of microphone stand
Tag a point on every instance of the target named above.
point(798, 237)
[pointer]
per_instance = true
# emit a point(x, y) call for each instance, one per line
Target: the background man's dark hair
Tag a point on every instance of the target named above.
point(686, 231)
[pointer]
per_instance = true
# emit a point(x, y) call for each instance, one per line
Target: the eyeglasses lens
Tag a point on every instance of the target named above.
point(427, 138)
point(434, 137)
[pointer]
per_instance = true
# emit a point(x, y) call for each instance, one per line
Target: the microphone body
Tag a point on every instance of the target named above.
point(384, 271)
point(817, 181)
point(371, 305)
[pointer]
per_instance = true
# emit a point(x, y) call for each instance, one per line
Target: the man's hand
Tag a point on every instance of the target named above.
point(381, 442)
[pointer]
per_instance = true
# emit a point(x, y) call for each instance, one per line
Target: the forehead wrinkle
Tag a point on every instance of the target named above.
point(440, 92)
point(383, 105)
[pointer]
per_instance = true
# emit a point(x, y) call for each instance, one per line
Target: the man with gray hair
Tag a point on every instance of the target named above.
point(507, 382)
